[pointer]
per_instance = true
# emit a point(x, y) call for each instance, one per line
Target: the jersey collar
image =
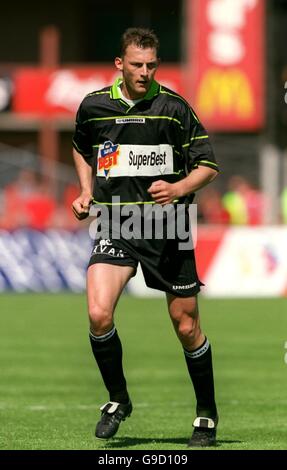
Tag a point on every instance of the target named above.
point(153, 90)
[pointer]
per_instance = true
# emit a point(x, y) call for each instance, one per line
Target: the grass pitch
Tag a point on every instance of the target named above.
point(50, 389)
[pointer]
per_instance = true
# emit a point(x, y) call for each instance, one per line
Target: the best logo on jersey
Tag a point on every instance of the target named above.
point(108, 157)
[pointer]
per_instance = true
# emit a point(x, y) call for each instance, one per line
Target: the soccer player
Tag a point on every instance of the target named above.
point(142, 143)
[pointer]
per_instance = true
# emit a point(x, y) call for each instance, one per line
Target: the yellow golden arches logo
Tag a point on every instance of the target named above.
point(225, 92)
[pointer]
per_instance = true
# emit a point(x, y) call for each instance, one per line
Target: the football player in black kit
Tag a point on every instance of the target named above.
point(142, 143)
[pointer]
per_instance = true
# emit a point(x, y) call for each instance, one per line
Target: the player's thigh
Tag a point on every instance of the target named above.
point(105, 283)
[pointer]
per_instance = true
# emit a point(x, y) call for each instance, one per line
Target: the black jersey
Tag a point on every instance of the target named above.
point(129, 147)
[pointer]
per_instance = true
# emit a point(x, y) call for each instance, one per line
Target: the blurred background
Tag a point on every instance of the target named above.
point(227, 58)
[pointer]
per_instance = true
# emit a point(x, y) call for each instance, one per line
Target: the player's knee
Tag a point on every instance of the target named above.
point(188, 330)
point(101, 319)
point(188, 325)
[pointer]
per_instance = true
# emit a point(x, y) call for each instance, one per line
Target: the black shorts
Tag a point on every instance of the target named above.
point(165, 267)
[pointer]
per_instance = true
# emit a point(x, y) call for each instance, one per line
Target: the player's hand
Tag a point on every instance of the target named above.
point(163, 192)
point(81, 206)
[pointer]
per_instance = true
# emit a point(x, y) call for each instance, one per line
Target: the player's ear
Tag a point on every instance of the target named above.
point(119, 63)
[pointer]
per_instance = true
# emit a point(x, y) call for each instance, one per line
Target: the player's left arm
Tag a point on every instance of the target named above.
point(165, 193)
point(200, 161)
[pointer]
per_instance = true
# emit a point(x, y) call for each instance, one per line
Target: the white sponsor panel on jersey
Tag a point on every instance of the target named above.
point(134, 160)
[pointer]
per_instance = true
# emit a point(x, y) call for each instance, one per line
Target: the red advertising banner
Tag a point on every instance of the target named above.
point(226, 63)
point(44, 91)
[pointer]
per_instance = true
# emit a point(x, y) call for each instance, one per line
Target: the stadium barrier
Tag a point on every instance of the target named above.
point(232, 262)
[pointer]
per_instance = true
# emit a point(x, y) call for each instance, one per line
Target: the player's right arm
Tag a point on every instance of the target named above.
point(84, 171)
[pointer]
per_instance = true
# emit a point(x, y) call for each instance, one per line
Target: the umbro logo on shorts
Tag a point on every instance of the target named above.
point(187, 286)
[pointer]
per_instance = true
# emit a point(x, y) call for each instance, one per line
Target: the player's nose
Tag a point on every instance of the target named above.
point(144, 70)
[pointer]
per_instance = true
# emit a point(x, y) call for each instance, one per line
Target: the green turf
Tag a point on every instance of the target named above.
point(50, 389)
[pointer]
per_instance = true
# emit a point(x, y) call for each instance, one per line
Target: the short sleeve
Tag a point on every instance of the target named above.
point(196, 144)
point(81, 138)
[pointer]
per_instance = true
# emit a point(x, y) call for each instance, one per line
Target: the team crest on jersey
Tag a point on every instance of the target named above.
point(108, 157)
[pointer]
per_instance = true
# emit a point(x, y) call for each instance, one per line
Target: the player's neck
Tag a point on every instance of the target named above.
point(129, 94)
point(126, 96)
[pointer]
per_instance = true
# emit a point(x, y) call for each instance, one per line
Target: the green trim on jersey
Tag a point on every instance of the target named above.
point(195, 138)
point(115, 94)
point(199, 137)
point(207, 162)
point(153, 90)
point(114, 91)
point(110, 118)
point(126, 203)
point(182, 99)
point(98, 93)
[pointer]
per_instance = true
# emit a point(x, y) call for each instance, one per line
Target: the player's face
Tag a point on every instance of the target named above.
point(138, 67)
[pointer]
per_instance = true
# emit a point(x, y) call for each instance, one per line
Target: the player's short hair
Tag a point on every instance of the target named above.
point(140, 37)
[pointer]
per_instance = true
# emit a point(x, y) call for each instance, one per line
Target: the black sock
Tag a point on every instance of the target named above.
point(107, 350)
point(199, 363)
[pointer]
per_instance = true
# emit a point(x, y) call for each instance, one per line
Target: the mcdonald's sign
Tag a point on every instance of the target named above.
point(226, 57)
point(225, 92)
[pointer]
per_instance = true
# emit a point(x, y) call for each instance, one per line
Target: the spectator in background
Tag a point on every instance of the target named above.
point(27, 202)
point(210, 207)
point(40, 207)
point(15, 196)
point(244, 204)
point(63, 217)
